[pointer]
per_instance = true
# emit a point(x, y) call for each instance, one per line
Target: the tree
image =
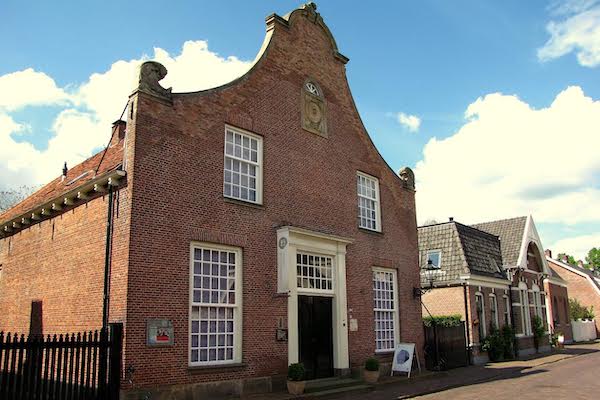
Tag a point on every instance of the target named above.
point(593, 258)
point(571, 259)
point(10, 197)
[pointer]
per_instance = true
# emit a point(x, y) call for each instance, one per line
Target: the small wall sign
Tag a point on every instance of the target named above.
point(353, 325)
point(281, 335)
point(159, 332)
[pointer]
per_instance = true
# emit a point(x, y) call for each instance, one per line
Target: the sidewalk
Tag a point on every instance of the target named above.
point(431, 382)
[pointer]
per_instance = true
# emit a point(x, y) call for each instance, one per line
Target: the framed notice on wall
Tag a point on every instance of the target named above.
point(159, 332)
point(403, 358)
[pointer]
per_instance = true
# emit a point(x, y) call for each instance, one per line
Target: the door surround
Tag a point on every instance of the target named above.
point(290, 241)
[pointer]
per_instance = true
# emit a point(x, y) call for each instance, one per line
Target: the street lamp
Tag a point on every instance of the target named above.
point(429, 269)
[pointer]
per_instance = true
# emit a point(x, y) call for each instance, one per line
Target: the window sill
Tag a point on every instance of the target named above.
point(243, 203)
point(216, 366)
point(365, 230)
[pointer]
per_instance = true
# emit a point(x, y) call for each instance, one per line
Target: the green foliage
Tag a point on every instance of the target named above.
point(579, 311)
point(508, 342)
point(494, 345)
point(442, 320)
point(593, 258)
point(296, 372)
point(538, 331)
point(372, 364)
point(570, 258)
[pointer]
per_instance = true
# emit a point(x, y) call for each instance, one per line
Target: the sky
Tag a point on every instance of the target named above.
point(494, 104)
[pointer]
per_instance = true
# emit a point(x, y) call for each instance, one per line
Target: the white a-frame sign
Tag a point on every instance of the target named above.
point(403, 358)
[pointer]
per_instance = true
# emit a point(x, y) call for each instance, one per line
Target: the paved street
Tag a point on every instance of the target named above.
point(575, 378)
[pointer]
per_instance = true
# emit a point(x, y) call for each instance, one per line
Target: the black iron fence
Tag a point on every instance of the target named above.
point(73, 366)
point(445, 347)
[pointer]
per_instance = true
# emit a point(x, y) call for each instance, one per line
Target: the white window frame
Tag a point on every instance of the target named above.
point(494, 310)
point(258, 164)
point(394, 311)
point(237, 307)
point(525, 309)
point(482, 329)
point(439, 266)
point(322, 292)
point(377, 201)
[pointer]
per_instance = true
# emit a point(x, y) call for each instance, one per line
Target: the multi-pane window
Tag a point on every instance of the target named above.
point(384, 301)
point(506, 310)
point(525, 314)
point(493, 311)
point(242, 178)
point(314, 272)
point(479, 304)
point(368, 202)
point(215, 305)
point(435, 256)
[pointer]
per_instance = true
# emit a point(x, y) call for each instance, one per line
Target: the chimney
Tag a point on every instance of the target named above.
point(548, 253)
point(117, 132)
point(565, 259)
point(580, 264)
point(64, 172)
point(451, 219)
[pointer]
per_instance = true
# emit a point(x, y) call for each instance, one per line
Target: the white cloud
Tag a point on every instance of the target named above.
point(29, 88)
point(578, 31)
point(89, 108)
point(410, 122)
point(510, 159)
point(577, 246)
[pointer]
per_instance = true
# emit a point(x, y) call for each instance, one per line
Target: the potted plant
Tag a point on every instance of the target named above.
point(371, 373)
point(295, 382)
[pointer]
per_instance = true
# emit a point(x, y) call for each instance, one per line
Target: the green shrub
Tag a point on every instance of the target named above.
point(508, 342)
point(494, 345)
point(296, 372)
point(538, 331)
point(442, 320)
point(579, 311)
point(372, 364)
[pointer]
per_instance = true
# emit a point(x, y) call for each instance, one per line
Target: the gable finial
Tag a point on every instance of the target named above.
point(150, 73)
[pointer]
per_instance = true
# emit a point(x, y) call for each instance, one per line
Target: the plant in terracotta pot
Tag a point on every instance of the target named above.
point(371, 373)
point(295, 382)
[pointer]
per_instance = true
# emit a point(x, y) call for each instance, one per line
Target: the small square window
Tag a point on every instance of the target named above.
point(435, 257)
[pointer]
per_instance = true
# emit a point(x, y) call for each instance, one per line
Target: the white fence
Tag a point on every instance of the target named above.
point(583, 331)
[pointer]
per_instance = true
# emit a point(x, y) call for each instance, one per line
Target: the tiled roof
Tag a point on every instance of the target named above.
point(510, 231)
point(76, 176)
point(464, 250)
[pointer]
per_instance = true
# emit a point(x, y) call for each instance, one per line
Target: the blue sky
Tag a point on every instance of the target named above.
point(504, 96)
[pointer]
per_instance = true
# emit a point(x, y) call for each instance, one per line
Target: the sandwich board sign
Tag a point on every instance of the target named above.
point(403, 358)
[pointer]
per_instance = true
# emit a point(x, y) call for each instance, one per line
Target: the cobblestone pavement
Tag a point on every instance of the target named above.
point(575, 378)
point(573, 373)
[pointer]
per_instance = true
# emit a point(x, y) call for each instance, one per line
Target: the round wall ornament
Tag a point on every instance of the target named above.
point(282, 243)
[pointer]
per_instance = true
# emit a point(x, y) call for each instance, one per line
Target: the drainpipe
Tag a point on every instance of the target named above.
point(107, 259)
point(467, 324)
point(512, 316)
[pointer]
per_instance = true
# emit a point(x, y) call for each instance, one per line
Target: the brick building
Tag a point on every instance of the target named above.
point(255, 219)
point(482, 270)
point(582, 284)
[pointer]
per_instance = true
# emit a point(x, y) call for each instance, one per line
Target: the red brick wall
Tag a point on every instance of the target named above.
point(60, 263)
point(581, 289)
point(558, 309)
point(309, 181)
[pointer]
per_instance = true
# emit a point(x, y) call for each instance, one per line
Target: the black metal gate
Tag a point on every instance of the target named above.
point(73, 366)
point(445, 347)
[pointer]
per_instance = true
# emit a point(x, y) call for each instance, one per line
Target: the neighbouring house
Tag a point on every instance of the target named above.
point(556, 287)
point(255, 221)
point(526, 267)
point(583, 285)
point(465, 277)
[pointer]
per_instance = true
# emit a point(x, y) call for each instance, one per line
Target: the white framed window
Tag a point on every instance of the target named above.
point(242, 174)
point(524, 308)
point(314, 272)
point(215, 305)
point(480, 308)
point(385, 309)
point(436, 258)
point(506, 310)
point(494, 311)
point(369, 212)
